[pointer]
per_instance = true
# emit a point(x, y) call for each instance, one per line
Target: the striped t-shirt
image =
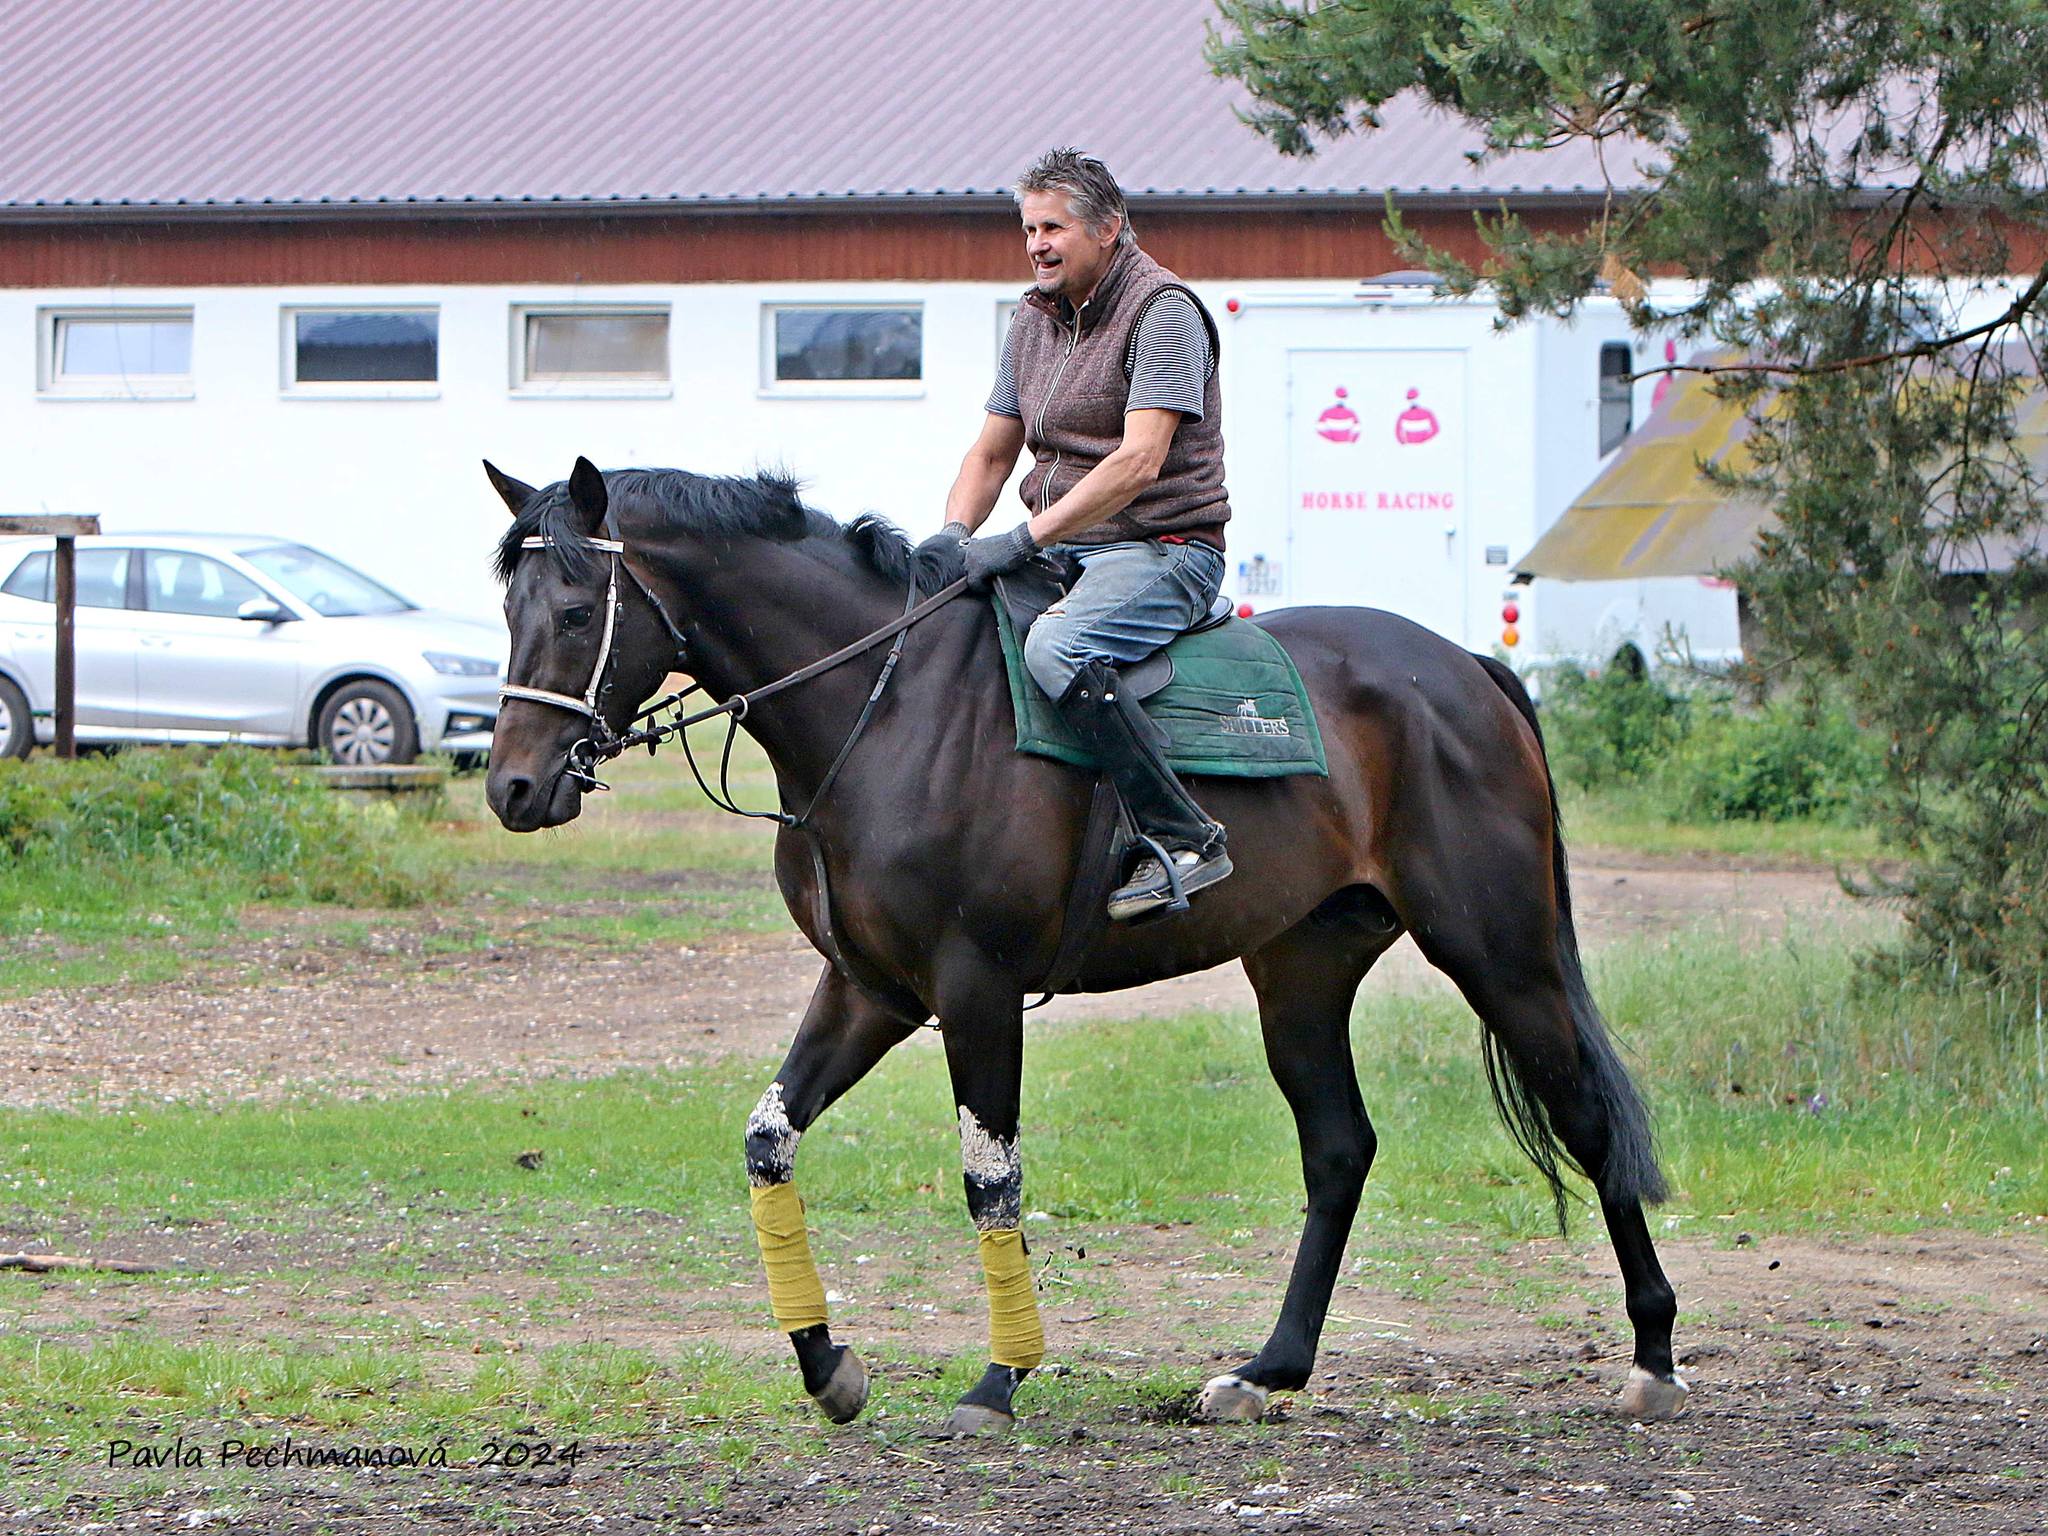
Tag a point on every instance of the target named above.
point(1169, 367)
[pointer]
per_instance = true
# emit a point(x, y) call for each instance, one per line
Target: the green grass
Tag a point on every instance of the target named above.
point(1788, 1098)
point(109, 900)
point(1621, 821)
point(1868, 1110)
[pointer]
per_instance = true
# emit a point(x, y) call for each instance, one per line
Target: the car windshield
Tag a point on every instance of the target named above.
point(323, 583)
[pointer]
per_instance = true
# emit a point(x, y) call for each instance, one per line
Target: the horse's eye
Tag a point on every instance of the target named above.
point(575, 618)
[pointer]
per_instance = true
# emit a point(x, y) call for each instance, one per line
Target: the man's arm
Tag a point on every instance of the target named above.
point(1111, 485)
point(984, 470)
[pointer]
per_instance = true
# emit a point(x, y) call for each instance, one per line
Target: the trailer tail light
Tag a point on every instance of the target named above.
point(1511, 636)
point(1244, 610)
point(1510, 614)
point(1232, 305)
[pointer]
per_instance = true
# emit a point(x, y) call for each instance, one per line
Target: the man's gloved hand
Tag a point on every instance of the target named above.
point(939, 562)
point(987, 559)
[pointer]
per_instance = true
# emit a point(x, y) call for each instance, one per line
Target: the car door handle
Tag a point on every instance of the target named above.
point(156, 642)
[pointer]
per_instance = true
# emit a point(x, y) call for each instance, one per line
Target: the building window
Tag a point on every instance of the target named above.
point(1617, 394)
point(588, 349)
point(837, 347)
point(117, 354)
point(345, 347)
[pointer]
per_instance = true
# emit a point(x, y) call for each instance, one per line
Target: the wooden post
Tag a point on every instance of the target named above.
point(67, 646)
point(67, 530)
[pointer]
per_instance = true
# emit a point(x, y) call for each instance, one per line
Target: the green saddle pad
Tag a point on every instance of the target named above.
point(1235, 706)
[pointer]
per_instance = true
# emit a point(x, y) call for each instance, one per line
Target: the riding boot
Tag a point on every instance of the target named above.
point(1131, 749)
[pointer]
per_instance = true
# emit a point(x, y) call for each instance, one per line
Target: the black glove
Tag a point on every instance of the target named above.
point(986, 559)
point(938, 562)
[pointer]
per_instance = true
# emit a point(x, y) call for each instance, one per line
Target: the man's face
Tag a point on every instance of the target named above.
point(1066, 260)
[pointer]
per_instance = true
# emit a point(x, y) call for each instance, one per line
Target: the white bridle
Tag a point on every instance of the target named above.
point(587, 705)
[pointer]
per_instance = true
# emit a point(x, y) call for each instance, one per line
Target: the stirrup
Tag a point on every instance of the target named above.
point(1161, 884)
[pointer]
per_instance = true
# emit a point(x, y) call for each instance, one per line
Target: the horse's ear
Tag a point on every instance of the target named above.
point(586, 491)
point(517, 493)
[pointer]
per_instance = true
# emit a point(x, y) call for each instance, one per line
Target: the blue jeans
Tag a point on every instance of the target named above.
point(1130, 601)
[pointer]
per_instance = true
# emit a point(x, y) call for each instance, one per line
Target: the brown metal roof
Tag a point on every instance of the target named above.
point(232, 103)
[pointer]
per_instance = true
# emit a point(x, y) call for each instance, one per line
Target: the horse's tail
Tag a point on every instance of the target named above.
point(1630, 1172)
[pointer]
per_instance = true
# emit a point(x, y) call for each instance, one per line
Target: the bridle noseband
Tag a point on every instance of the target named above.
point(601, 743)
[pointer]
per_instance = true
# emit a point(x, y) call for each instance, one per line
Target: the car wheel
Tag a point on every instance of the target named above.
point(367, 724)
point(17, 726)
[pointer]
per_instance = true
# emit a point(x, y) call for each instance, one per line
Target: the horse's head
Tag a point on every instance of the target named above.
point(588, 646)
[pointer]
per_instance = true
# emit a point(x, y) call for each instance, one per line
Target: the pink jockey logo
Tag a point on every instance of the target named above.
point(1664, 384)
point(1417, 424)
point(1338, 424)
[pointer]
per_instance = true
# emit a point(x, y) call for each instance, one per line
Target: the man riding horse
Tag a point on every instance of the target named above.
point(1108, 376)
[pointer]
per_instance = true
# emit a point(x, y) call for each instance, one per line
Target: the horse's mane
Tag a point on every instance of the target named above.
point(764, 506)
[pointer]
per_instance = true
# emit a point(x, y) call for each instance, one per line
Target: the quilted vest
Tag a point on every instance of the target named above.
point(1073, 373)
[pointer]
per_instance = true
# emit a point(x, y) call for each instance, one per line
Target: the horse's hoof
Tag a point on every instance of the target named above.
point(1651, 1399)
point(1231, 1400)
point(843, 1397)
point(969, 1419)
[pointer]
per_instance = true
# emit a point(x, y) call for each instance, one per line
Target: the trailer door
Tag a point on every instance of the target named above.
point(1376, 482)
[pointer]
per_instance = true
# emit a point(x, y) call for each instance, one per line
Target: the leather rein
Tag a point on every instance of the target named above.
point(644, 730)
point(603, 744)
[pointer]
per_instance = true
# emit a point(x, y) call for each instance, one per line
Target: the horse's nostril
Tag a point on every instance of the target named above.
point(509, 795)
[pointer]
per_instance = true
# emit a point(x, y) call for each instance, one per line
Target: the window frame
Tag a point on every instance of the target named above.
point(1614, 390)
point(291, 387)
point(48, 555)
point(138, 583)
point(773, 388)
point(53, 384)
point(524, 386)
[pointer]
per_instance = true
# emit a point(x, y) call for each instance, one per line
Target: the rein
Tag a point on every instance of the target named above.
point(602, 745)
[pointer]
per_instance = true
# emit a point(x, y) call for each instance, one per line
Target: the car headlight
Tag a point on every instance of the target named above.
point(460, 666)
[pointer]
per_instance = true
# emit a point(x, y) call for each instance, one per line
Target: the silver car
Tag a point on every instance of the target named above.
point(211, 638)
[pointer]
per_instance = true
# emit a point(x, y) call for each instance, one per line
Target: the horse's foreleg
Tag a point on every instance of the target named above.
point(842, 1036)
point(985, 1055)
point(1305, 982)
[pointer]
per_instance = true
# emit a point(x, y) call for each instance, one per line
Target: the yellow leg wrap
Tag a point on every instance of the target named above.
point(1015, 1335)
point(795, 1292)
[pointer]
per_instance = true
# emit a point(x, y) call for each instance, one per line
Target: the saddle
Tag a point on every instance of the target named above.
point(1237, 708)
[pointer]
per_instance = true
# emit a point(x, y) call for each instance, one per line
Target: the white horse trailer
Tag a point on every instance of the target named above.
point(1395, 449)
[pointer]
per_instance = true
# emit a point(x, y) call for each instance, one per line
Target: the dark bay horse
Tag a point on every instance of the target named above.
point(949, 857)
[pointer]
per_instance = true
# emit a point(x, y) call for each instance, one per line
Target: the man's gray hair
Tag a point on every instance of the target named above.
point(1091, 191)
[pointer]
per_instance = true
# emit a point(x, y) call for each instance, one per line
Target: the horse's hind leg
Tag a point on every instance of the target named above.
point(1306, 980)
point(1561, 1086)
point(842, 1036)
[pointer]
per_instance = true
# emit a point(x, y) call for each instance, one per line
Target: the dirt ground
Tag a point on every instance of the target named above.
point(293, 1009)
point(1838, 1387)
point(1859, 1385)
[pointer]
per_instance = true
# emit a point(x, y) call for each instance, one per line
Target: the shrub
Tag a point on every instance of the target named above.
point(193, 815)
point(1698, 757)
point(1776, 764)
point(1611, 727)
